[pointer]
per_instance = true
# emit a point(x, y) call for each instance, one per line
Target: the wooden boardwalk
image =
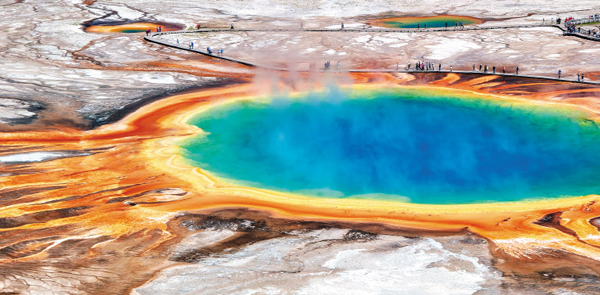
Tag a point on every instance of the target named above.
point(153, 37)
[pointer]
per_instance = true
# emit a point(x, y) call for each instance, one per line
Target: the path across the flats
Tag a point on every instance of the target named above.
point(152, 37)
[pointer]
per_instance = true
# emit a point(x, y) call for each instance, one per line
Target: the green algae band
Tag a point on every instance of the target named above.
point(417, 145)
point(439, 21)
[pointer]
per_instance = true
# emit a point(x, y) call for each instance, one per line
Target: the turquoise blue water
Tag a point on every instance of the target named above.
point(400, 144)
point(432, 22)
point(133, 31)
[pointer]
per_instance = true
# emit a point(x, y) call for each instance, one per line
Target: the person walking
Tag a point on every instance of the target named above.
point(473, 67)
point(494, 69)
point(582, 76)
point(450, 68)
point(439, 67)
point(517, 70)
point(342, 26)
point(503, 70)
point(232, 26)
point(559, 72)
point(578, 77)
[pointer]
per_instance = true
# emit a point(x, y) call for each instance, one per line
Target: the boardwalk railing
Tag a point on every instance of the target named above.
point(571, 29)
point(586, 20)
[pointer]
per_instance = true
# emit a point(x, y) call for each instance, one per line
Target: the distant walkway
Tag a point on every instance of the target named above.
point(363, 29)
point(152, 37)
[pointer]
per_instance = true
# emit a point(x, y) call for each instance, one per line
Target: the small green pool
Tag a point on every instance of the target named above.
point(439, 21)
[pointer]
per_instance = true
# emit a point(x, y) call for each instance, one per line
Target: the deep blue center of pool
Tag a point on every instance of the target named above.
point(433, 147)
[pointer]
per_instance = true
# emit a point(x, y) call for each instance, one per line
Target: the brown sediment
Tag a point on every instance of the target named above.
point(131, 199)
point(16, 2)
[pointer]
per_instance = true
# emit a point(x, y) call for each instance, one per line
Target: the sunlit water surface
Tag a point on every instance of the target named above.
point(416, 145)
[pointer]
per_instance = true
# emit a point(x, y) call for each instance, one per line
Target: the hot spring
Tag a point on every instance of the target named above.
point(419, 145)
point(439, 21)
point(130, 27)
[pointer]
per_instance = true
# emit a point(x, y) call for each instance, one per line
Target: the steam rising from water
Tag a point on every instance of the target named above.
point(430, 147)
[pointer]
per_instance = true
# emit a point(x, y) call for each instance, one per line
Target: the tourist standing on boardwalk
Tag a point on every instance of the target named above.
point(473, 67)
point(439, 67)
point(450, 68)
point(578, 77)
point(517, 70)
point(559, 72)
point(494, 69)
point(503, 70)
point(342, 26)
point(582, 76)
point(232, 26)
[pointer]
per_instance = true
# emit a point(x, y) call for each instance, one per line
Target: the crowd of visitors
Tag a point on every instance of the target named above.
point(573, 26)
point(430, 66)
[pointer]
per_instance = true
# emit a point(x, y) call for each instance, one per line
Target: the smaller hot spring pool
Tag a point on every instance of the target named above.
point(420, 145)
point(131, 27)
point(439, 21)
